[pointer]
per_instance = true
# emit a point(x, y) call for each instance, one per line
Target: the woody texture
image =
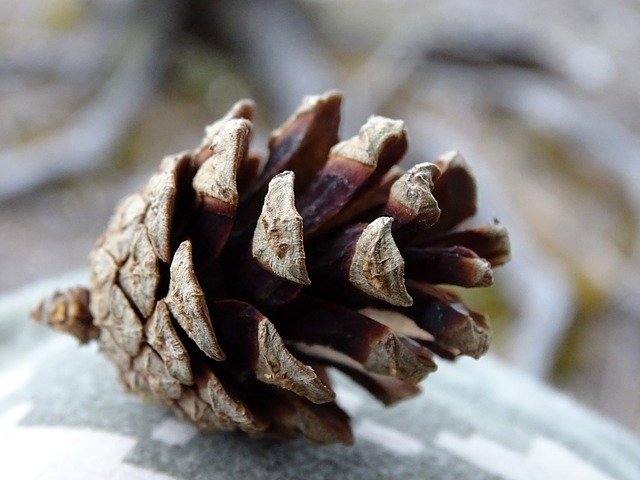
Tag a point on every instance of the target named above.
point(226, 287)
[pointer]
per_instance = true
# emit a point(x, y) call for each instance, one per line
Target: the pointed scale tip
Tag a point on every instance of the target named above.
point(278, 239)
point(377, 267)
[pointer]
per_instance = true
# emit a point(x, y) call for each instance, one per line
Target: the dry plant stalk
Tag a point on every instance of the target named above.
point(227, 285)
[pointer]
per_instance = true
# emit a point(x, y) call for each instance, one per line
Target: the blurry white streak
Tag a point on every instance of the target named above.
point(12, 10)
point(78, 54)
point(545, 299)
point(591, 66)
point(58, 449)
point(388, 438)
point(384, 72)
point(174, 432)
point(348, 399)
point(546, 459)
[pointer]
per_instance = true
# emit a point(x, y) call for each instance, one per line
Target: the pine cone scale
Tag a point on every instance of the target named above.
point(123, 322)
point(452, 324)
point(302, 143)
point(69, 311)
point(353, 166)
point(377, 267)
point(371, 199)
point(129, 214)
point(363, 261)
point(187, 303)
point(230, 411)
point(456, 192)
point(364, 341)
point(163, 338)
point(103, 275)
point(388, 390)
point(161, 195)
point(216, 190)
point(410, 199)
point(278, 244)
point(452, 266)
point(490, 242)
point(113, 351)
point(139, 276)
point(256, 344)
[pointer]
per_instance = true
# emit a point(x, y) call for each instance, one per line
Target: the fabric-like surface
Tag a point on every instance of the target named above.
point(63, 415)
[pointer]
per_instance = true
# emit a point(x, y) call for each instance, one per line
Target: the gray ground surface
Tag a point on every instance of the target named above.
point(474, 420)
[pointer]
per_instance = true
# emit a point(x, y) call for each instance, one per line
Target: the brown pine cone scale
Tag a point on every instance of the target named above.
point(227, 285)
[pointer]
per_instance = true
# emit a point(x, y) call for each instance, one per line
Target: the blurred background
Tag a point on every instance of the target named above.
point(542, 98)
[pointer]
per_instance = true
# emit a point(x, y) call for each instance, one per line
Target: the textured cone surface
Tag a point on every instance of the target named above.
point(226, 286)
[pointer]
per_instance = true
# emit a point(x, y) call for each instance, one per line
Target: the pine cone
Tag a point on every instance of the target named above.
point(227, 285)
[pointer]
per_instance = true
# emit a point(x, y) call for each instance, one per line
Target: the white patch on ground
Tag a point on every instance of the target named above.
point(174, 432)
point(387, 438)
point(545, 460)
point(12, 417)
point(130, 472)
point(12, 380)
point(52, 453)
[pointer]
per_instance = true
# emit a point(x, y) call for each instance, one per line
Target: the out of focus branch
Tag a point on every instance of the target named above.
point(91, 135)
